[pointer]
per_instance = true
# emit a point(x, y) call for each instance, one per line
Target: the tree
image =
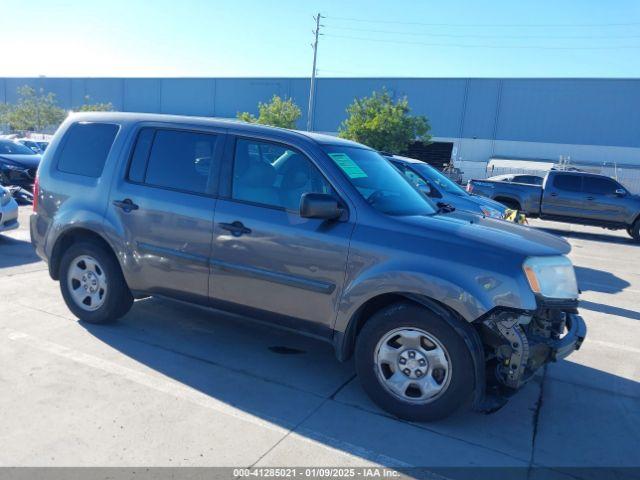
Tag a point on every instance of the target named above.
point(94, 107)
point(381, 123)
point(277, 113)
point(35, 111)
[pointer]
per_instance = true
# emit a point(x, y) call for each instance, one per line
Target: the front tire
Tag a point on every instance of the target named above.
point(413, 364)
point(92, 284)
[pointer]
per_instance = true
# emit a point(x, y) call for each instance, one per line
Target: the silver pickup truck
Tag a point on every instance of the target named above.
point(572, 197)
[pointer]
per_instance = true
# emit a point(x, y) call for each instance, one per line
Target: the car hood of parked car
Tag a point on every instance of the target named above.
point(487, 202)
point(473, 203)
point(469, 229)
point(26, 161)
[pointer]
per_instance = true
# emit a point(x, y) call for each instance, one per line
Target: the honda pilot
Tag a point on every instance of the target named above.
point(439, 309)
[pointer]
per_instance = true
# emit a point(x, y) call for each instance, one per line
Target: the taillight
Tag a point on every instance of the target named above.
point(36, 192)
point(469, 187)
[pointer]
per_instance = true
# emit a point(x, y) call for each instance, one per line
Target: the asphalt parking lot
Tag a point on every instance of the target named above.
point(175, 385)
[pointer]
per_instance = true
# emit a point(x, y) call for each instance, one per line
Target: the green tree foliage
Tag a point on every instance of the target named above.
point(35, 111)
point(94, 107)
point(381, 123)
point(277, 113)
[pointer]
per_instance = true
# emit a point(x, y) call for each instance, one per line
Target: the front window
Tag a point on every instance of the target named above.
point(441, 182)
point(600, 186)
point(11, 148)
point(274, 175)
point(379, 183)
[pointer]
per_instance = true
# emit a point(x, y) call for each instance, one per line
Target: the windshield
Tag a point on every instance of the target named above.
point(441, 181)
point(379, 182)
point(9, 147)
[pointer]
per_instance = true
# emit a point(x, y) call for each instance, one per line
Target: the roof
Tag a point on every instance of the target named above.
point(128, 117)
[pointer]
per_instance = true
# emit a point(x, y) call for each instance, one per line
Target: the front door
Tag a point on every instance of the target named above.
point(265, 256)
point(164, 207)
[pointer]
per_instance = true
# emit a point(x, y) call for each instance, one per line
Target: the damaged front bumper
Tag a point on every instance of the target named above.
point(517, 344)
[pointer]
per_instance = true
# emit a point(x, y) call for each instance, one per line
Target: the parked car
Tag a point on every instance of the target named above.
point(518, 178)
point(33, 145)
point(8, 211)
point(443, 190)
point(18, 164)
point(311, 232)
point(572, 197)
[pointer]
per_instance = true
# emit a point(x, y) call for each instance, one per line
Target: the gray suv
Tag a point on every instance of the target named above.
point(440, 309)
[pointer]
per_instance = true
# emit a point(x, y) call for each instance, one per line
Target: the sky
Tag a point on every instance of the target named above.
point(243, 38)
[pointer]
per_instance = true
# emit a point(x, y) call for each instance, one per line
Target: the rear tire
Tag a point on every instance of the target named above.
point(92, 283)
point(634, 231)
point(413, 364)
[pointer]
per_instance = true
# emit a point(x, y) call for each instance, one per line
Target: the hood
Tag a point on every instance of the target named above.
point(472, 203)
point(487, 202)
point(26, 161)
point(468, 229)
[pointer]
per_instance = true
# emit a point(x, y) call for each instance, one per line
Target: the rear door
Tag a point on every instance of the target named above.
point(265, 255)
point(562, 195)
point(602, 204)
point(164, 205)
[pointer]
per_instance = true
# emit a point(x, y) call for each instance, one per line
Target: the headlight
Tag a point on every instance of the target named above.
point(551, 277)
point(491, 212)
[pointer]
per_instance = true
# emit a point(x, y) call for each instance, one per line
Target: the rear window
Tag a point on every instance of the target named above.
point(85, 148)
point(528, 179)
point(571, 183)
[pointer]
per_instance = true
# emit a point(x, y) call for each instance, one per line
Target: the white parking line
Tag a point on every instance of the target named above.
point(615, 346)
point(192, 395)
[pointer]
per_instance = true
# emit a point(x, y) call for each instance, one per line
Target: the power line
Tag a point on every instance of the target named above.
point(492, 25)
point(465, 35)
point(456, 45)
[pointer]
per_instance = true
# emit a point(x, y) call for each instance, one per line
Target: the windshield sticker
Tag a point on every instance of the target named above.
point(347, 164)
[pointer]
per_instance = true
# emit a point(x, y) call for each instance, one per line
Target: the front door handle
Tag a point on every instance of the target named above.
point(236, 228)
point(590, 198)
point(554, 194)
point(127, 205)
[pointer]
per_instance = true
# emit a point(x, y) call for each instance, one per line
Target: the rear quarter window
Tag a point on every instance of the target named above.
point(85, 148)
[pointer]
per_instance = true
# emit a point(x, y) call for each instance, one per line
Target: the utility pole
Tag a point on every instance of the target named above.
point(312, 89)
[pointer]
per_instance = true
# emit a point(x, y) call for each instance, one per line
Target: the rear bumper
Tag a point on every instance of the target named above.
point(37, 239)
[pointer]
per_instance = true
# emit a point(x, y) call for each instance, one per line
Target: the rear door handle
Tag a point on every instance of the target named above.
point(236, 228)
point(590, 198)
point(554, 194)
point(127, 205)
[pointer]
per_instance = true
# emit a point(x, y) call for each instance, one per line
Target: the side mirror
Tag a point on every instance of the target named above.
point(621, 192)
point(319, 205)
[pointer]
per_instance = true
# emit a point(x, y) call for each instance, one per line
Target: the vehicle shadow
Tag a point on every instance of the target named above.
point(15, 252)
point(610, 310)
point(296, 382)
point(596, 237)
point(599, 280)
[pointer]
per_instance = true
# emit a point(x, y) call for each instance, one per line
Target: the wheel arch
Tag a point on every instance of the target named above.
point(68, 238)
point(508, 200)
point(344, 343)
